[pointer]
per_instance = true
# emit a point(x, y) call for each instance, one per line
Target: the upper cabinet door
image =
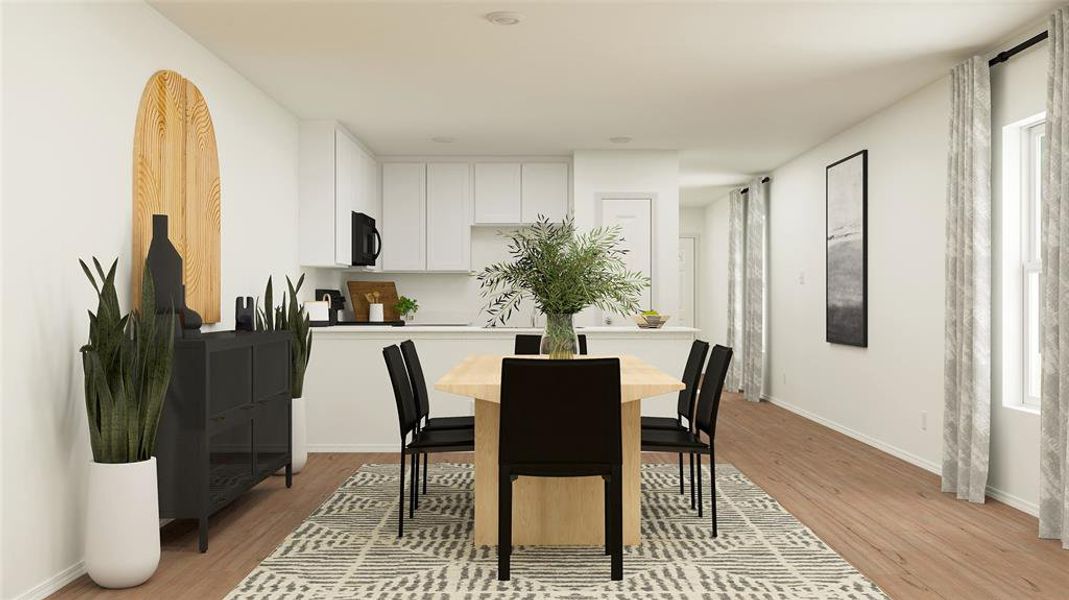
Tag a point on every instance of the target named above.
point(448, 217)
point(404, 225)
point(544, 191)
point(497, 193)
point(346, 190)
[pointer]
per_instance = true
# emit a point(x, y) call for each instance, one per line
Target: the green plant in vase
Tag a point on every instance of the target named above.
point(292, 317)
point(406, 307)
point(563, 271)
point(127, 364)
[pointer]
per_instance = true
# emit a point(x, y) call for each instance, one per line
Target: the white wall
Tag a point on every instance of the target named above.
point(878, 393)
point(890, 394)
point(655, 172)
point(715, 307)
point(692, 222)
point(1018, 91)
point(73, 76)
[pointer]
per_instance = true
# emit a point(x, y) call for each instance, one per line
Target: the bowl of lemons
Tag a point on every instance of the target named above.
point(651, 319)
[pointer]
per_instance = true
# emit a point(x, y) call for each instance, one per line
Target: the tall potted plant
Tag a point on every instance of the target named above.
point(563, 271)
point(127, 369)
point(292, 317)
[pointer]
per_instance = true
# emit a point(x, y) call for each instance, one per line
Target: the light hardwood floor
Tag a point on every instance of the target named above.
point(885, 516)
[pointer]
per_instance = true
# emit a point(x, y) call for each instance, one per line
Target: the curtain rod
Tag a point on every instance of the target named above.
point(1005, 55)
point(746, 190)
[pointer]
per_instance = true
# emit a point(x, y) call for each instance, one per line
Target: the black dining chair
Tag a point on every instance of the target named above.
point(530, 344)
point(664, 440)
point(684, 420)
point(413, 440)
point(561, 418)
point(424, 421)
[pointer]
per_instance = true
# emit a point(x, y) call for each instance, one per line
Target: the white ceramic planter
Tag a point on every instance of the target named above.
point(122, 542)
point(300, 434)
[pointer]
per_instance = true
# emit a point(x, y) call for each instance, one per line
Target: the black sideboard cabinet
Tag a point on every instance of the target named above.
point(225, 424)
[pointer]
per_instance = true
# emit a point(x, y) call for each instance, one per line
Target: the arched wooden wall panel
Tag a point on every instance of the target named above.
point(176, 172)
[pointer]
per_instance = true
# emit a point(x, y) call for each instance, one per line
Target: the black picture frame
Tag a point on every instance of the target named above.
point(846, 254)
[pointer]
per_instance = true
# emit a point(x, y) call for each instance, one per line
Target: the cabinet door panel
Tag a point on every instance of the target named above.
point(346, 189)
point(497, 193)
point(544, 191)
point(448, 217)
point(404, 226)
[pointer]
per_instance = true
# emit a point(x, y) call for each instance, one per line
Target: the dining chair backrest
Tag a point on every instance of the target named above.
point(407, 415)
point(692, 374)
point(560, 412)
point(709, 398)
point(529, 344)
point(415, 376)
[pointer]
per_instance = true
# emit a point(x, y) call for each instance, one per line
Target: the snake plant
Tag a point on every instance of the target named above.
point(292, 317)
point(127, 369)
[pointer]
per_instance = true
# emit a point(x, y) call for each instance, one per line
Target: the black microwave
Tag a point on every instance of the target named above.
point(367, 243)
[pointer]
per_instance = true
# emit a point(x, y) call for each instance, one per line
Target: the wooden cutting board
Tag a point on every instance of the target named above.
point(176, 173)
point(387, 295)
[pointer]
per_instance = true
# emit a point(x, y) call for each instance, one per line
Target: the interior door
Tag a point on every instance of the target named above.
point(688, 284)
point(634, 216)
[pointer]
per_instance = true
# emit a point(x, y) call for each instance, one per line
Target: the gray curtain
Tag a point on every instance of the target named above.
point(1054, 409)
point(736, 285)
point(967, 350)
point(753, 320)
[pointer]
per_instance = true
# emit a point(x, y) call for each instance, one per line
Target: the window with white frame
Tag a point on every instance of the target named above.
point(1032, 138)
point(1021, 293)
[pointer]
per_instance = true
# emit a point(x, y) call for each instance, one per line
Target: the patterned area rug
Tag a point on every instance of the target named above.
point(348, 548)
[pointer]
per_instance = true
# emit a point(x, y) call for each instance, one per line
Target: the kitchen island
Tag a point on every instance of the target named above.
point(350, 402)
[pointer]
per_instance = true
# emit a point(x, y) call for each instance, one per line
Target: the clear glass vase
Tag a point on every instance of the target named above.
point(559, 339)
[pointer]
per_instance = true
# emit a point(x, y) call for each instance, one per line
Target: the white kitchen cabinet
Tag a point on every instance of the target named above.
point(448, 217)
point(544, 191)
point(497, 193)
point(404, 217)
point(336, 177)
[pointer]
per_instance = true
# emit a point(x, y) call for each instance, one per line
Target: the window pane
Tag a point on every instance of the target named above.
point(1034, 358)
point(1036, 201)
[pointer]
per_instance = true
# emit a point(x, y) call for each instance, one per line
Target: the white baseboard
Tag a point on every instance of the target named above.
point(354, 447)
point(895, 451)
point(1017, 502)
point(54, 583)
point(933, 467)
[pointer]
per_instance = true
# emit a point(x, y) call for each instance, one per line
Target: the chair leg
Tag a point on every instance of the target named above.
point(425, 455)
point(504, 524)
point(681, 492)
point(608, 516)
point(700, 484)
point(401, 510)
point(617, 568)
point(413, 491)
point(712, 484)
point(692, 481)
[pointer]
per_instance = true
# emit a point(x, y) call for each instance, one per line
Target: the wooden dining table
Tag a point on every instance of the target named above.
point(554, 510)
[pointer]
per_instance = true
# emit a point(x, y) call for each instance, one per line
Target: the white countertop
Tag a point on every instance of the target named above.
point(470, 329)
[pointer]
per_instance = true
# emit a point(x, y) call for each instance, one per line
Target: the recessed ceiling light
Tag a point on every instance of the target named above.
point(620, 139)
point(443, 139)
point(504, 17)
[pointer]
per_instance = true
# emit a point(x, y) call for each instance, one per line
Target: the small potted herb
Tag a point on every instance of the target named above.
point(406, 307)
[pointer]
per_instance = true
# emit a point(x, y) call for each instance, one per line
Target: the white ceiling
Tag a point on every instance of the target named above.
point(737, 87)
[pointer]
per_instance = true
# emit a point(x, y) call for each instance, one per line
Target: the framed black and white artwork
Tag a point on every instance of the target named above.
point(847, 250)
